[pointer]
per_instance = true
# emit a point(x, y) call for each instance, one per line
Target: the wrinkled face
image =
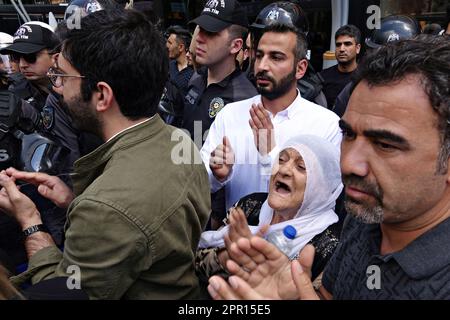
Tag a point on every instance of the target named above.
point(36, 70)
point(389, 153)
point(275, 67)
point(346, 49)
point(173, 47)
point(212, 47)
point(82, 112)
point(287, 183)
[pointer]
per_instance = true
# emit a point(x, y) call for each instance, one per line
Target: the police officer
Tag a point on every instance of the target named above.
point(36, 120)
point(41, 110)
point(223, 30)
point(31, 50)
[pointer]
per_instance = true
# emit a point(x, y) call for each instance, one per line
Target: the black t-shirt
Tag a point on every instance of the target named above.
point(201, 103)
point(334, 82)
point(342, 100)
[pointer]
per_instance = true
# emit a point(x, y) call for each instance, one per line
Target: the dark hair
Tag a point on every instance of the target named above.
point(183, 35)
point(236, 31)
point(58, 36)
point(427, 56)
point(349, 30)
point(432, 28)
point(301, 46)
point(124, 49)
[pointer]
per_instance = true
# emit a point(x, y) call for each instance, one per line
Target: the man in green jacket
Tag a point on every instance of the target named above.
point(135, 216)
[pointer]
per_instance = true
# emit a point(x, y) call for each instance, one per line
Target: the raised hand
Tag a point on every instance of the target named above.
point(302, 280)
point(262, 271)
point(237, 228)
point(262, 127)
point(234, 289)
point(222, 160)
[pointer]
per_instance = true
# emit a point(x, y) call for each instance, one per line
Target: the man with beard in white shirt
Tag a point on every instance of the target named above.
point(243, 140)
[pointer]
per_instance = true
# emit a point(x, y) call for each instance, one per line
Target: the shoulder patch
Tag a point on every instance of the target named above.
point(48, 117)
point(191, 97)
point(215, 106)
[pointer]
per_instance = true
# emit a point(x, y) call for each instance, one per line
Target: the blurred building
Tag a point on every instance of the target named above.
point(324, 16)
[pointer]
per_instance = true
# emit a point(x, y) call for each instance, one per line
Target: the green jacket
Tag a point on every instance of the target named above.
point(135, 223)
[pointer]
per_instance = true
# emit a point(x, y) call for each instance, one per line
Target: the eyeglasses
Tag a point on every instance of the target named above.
point(30, 57)
point(57, 78)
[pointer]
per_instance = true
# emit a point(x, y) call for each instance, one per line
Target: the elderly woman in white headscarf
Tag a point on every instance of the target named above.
point(303, 189)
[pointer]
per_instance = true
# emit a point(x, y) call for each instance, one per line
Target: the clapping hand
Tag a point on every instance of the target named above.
point(222, 160)
point(262, 127)
point(261, 271)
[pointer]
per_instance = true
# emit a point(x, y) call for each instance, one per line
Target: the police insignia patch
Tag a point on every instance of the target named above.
point(48, 117)
point(215, 106)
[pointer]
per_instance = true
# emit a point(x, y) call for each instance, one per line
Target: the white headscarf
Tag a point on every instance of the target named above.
point(323, 186)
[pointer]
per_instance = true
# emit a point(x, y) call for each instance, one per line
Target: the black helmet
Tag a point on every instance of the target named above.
point(85, 7)
point(282, 12)
point(393, 28)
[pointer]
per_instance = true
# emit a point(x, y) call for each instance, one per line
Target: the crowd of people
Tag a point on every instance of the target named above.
point(144, 163)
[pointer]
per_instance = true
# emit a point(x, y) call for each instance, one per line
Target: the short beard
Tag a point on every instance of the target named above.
point(360, 212)
point(83, 116)
point(370, 214)
point(279, 89)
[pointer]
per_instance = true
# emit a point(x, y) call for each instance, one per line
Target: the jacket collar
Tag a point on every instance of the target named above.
point(89, 167)
point(203, 72)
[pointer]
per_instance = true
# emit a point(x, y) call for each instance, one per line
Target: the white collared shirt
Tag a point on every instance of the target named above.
point(251, 171)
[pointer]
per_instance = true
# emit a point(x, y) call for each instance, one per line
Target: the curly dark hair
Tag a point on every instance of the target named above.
point(427, 56)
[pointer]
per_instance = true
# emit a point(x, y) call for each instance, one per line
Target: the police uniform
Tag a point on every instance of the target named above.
point(202, 103)
point(50, 120)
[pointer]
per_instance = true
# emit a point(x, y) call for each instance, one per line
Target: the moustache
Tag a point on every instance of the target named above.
point(263, 76)
point(363, 185)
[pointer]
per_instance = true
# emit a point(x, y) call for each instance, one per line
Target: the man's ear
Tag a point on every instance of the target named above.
point(54, 58)
point(104, 97)
point(181, 47)
point(301, 68)
point(358, 48)
point(236, 45)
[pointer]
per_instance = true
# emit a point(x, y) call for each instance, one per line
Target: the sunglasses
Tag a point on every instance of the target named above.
point(30, 57)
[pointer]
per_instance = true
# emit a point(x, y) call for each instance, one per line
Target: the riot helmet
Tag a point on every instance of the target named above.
point(5, 63)
point(282, 12)
point(393, 28)
point(81, 8)
point(5, 40)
